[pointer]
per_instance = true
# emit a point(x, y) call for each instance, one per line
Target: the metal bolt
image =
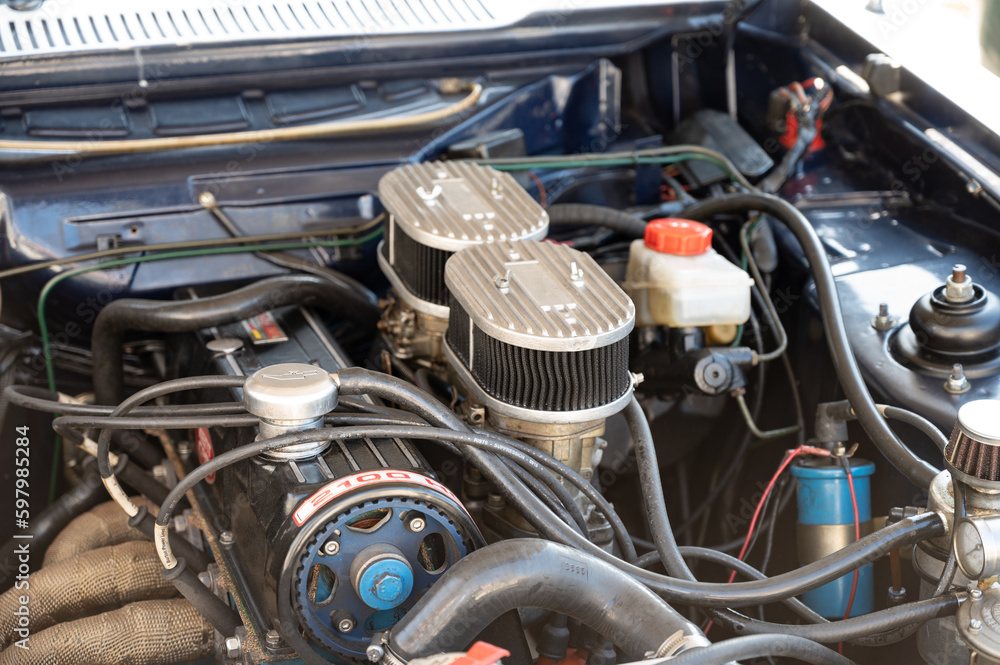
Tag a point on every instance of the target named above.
point(331, 547)
point(958, 288)
point(345, 625)
point(206, 200)
point(226, 538)
point(957, 383)
point(973, 187)
point(883, 321)
point(417, 524)
point(575, 273)
point(273, 638)
point(502, 281)
point(975, 625)
point(184, 449)
point(495, 500)
point(374, 653)
point(233, 647)
point(975, 593)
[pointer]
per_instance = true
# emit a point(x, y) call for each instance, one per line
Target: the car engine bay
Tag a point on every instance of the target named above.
point(660, 333)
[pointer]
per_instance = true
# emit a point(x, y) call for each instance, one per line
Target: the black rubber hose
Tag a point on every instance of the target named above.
point(704, 594)
point(147, 394)
point(655, 506)
point(585, 214)
point(129, 473)
point(567, 511)
point(651, 490)
point(762, 646)
point(178, 421)
point(917, 421)
point(848, 630)
point(140, 481)
point(358, 381)
point(534, 573)
point(40, 399)
point(46, 525)
point(919, 472)
point(145, 522)
point(951, 564)
point(217, 612)
point(730, 562)
point(575, 479)
point(124, 315)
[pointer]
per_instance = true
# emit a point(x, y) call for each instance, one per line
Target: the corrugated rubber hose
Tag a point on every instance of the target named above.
point(128, 314)
point(585, 214)
point(151, 632)
point(525, 572)
point(86, 584)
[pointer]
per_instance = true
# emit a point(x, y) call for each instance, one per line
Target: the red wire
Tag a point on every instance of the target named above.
point(541, 188)
point(790, 455)
point(857, 537)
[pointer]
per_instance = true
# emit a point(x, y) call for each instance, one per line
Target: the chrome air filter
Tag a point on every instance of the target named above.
point(437, 208)
point(539, 331)
point(973, 452)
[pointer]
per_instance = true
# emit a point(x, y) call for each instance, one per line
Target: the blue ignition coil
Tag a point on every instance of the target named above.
point(826, 524)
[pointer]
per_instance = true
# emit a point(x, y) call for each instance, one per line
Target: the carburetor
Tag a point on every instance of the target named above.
point(539, 335)
point(972, 458)
point(433, 210)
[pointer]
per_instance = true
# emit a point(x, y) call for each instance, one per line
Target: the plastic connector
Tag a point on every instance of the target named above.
point(831, 422)
point(554, 638)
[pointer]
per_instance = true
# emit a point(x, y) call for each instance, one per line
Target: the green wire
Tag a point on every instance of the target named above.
point(556, 163)
point(180, 254)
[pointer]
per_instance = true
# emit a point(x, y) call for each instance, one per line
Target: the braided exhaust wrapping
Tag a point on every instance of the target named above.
point(102, 526)
point(89, 583)
point(152, 632)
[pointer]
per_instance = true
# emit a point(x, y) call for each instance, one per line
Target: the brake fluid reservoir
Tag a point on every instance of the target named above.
point(676, 279)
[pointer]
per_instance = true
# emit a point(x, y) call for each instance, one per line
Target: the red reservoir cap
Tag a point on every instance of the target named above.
point(682, 237)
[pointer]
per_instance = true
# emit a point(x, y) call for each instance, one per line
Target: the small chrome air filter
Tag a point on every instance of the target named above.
point(973, 452)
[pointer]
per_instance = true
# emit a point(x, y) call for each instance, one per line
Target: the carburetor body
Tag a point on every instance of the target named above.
point(539, 336)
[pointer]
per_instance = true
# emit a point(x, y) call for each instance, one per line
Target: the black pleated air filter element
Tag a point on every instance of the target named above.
point(539, 326)
point(438, 208)
point(974, 446)
point(419, 267)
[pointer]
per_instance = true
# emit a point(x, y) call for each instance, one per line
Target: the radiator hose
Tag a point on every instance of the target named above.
point(534, 573)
